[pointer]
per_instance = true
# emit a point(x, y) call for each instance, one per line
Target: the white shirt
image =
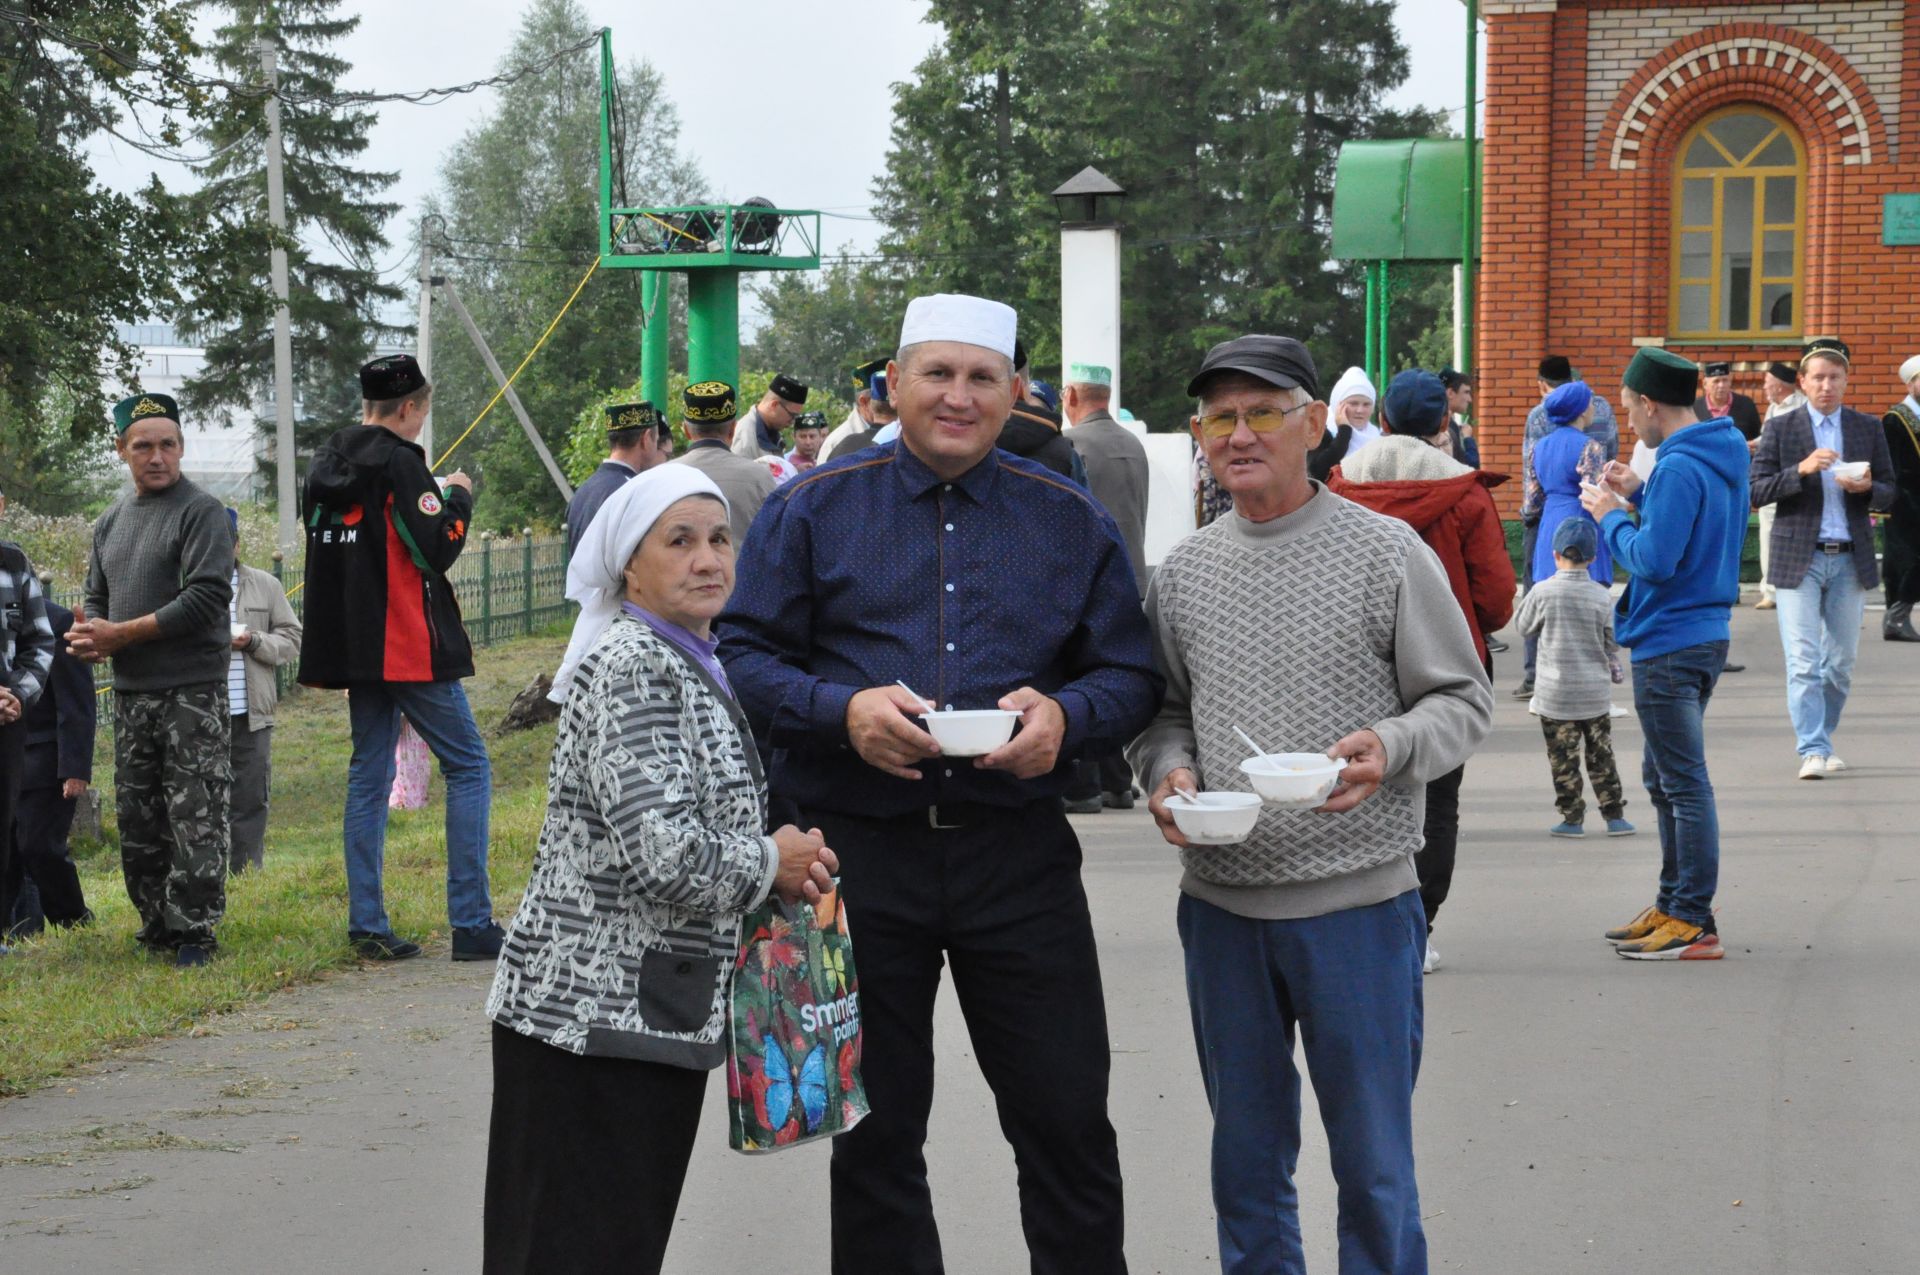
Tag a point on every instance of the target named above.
point(237, 666)
point(1362, 435)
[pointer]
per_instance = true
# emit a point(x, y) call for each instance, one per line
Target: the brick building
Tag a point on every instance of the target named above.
point(1704, 175)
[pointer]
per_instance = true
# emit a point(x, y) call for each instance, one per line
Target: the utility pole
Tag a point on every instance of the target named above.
point(282, 322)
point(506, 388)
point(425, 330)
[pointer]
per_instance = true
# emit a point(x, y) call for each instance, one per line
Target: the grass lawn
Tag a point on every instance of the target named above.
point(70, 997)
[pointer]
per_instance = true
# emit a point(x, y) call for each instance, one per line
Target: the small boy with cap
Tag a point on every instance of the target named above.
point(1571, 616)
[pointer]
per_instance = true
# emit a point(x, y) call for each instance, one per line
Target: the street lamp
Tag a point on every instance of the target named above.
point(1089, 203)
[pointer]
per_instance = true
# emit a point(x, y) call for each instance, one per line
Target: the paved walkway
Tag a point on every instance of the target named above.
point(1577, 1112)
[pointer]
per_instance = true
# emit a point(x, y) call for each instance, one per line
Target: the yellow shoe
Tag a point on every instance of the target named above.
point(1677, 940)
point(1638, 928)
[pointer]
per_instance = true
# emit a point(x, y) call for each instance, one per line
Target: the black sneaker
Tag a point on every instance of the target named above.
point(1524, 690)
point(381, 947)
point(477, 943)
point(1087, 805)
point(1497, 647)
point(189, 955)
point(1117, 800)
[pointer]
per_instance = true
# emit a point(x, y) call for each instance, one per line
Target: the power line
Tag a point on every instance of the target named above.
point(421, 97)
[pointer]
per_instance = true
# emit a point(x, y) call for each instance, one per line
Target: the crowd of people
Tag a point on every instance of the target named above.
point(735, 723)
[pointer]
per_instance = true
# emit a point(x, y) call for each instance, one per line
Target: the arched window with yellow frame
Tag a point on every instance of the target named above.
point(1739, 201)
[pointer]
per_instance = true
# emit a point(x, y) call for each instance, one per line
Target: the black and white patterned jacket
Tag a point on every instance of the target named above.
point(650, 854)
point(26, 637)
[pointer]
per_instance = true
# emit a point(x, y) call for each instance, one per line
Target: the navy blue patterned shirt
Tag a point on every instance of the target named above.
point(871, 569)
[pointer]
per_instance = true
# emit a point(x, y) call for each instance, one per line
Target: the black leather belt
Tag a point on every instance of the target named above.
point(961, 814)
point(1834, 546)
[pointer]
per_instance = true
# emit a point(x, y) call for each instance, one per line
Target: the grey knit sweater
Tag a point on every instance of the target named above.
point(1572, 615)
point(1302, 630)
point(168, 554)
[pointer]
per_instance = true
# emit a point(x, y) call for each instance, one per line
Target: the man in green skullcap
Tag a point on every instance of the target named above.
point(638, 438)
point(158, 584)
point(1684, 561)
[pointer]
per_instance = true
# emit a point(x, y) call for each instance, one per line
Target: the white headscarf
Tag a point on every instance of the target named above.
point(596, 578)
point(1352, 383)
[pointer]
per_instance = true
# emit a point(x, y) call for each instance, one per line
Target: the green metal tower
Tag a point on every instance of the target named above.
point(714, 244)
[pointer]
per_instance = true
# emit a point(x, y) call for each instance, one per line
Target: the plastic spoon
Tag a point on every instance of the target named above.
point(928, 704)
point(1248, 740)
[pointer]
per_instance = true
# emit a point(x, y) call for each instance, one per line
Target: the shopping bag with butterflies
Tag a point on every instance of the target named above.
point(793, 1037)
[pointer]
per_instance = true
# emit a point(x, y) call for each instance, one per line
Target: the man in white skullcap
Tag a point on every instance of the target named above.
point(983, 581)
point(1901, 565)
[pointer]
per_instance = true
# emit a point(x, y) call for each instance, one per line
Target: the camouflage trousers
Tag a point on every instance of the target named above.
point(172, 779)
point(1563, 758)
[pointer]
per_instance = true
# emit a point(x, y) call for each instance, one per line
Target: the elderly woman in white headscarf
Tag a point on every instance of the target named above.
point(609, 1002)
point(1349, 425)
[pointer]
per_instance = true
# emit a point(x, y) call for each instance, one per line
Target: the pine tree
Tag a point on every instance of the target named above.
point(335, 221)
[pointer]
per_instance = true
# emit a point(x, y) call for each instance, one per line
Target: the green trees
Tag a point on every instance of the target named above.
point(76, 257)
point(1222, 119)
point(335, 221)
point(516, 209)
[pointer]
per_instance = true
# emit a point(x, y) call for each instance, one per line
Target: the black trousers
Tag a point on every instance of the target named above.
point(13, 751)
point(585, 1159)
point(1434, 863)
point(1000, 900)
point(1092, 776)
point(42, 820)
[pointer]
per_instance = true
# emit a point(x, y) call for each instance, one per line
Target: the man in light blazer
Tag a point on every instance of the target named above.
point(1821, 556)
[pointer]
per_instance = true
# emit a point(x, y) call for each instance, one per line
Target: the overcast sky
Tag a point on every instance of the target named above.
point(802, 118)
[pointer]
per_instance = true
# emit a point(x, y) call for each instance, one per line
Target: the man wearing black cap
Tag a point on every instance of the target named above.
point(1555, 370)
point(746, 483)
point(1718, 399)
point(1033, 429)
point(157, 593)
point(1683, 560)
point(758, 432)
point(859, 418)
point(1827, 467)
point(872, 412)
point(382, 622)
point(1781, 385)
point(638, 438)
point(1313, 923)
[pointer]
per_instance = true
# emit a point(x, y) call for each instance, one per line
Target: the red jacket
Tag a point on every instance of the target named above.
point(1456, 518)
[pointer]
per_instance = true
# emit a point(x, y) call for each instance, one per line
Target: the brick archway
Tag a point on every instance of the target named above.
point(1781, 70)
point(1769, 64)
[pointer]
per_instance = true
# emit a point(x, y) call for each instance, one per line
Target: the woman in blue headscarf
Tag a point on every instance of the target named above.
point(1561, 462)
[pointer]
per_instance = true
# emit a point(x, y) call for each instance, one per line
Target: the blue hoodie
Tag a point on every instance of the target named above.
point(1684, 556)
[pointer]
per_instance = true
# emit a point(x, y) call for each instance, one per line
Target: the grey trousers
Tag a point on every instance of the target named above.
point(252, 753)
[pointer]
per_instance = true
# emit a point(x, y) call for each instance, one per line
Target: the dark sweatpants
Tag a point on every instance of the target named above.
point(1000, 899)
point(1434, 863)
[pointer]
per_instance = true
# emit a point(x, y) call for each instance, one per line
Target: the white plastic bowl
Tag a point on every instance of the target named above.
point(971, 732)
point(1293, 779)
point(1851, 470)
point(1215, 818)
point(239, 630)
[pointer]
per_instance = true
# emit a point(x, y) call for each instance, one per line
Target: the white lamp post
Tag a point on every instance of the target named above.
point(1090, 273)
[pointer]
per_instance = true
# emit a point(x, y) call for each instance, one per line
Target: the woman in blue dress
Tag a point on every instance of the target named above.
point(1562, 460)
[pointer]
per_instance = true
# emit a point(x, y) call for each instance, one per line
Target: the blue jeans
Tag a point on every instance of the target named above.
point(1820, 631)
point(439, 712)
point(1670, 693)
point(1351, 982)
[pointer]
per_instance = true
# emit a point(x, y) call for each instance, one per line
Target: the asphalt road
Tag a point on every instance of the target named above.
point(1576, 1112)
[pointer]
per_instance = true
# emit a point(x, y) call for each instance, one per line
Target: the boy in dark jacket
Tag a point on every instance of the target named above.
point(382, 622)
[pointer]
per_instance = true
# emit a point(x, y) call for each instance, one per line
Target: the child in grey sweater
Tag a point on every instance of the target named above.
point(1572, 618)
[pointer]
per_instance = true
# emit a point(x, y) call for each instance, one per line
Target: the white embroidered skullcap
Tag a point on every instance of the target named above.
point(952, 316)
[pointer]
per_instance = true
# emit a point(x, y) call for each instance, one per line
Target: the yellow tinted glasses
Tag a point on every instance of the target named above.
point(1261, 420)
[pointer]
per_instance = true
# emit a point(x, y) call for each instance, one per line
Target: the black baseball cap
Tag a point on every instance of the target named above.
point(1277, 360)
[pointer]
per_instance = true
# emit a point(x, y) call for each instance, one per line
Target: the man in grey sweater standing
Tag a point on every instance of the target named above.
point(1315, 918)
point(158, 584)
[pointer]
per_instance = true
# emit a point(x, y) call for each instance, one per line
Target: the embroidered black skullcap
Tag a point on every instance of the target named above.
point(809, 420)
point(788, 390)
point(391, 376)
point(708, 401)
point(863, 374)
point(622, 417)
point(1784, 371)
point(140, 407)
point(1830, 346)
point(1716, 369)
point(1663, 376)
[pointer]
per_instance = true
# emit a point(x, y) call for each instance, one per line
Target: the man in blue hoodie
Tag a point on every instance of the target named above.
point(1684, 560)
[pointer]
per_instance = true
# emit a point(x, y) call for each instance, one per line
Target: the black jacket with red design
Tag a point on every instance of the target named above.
point(380, 540)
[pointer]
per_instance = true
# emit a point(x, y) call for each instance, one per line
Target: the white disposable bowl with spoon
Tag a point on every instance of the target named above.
point(1214, 818)
point(1293, 779)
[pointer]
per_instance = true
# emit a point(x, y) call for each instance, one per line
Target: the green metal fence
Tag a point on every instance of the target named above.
point(508, 586)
